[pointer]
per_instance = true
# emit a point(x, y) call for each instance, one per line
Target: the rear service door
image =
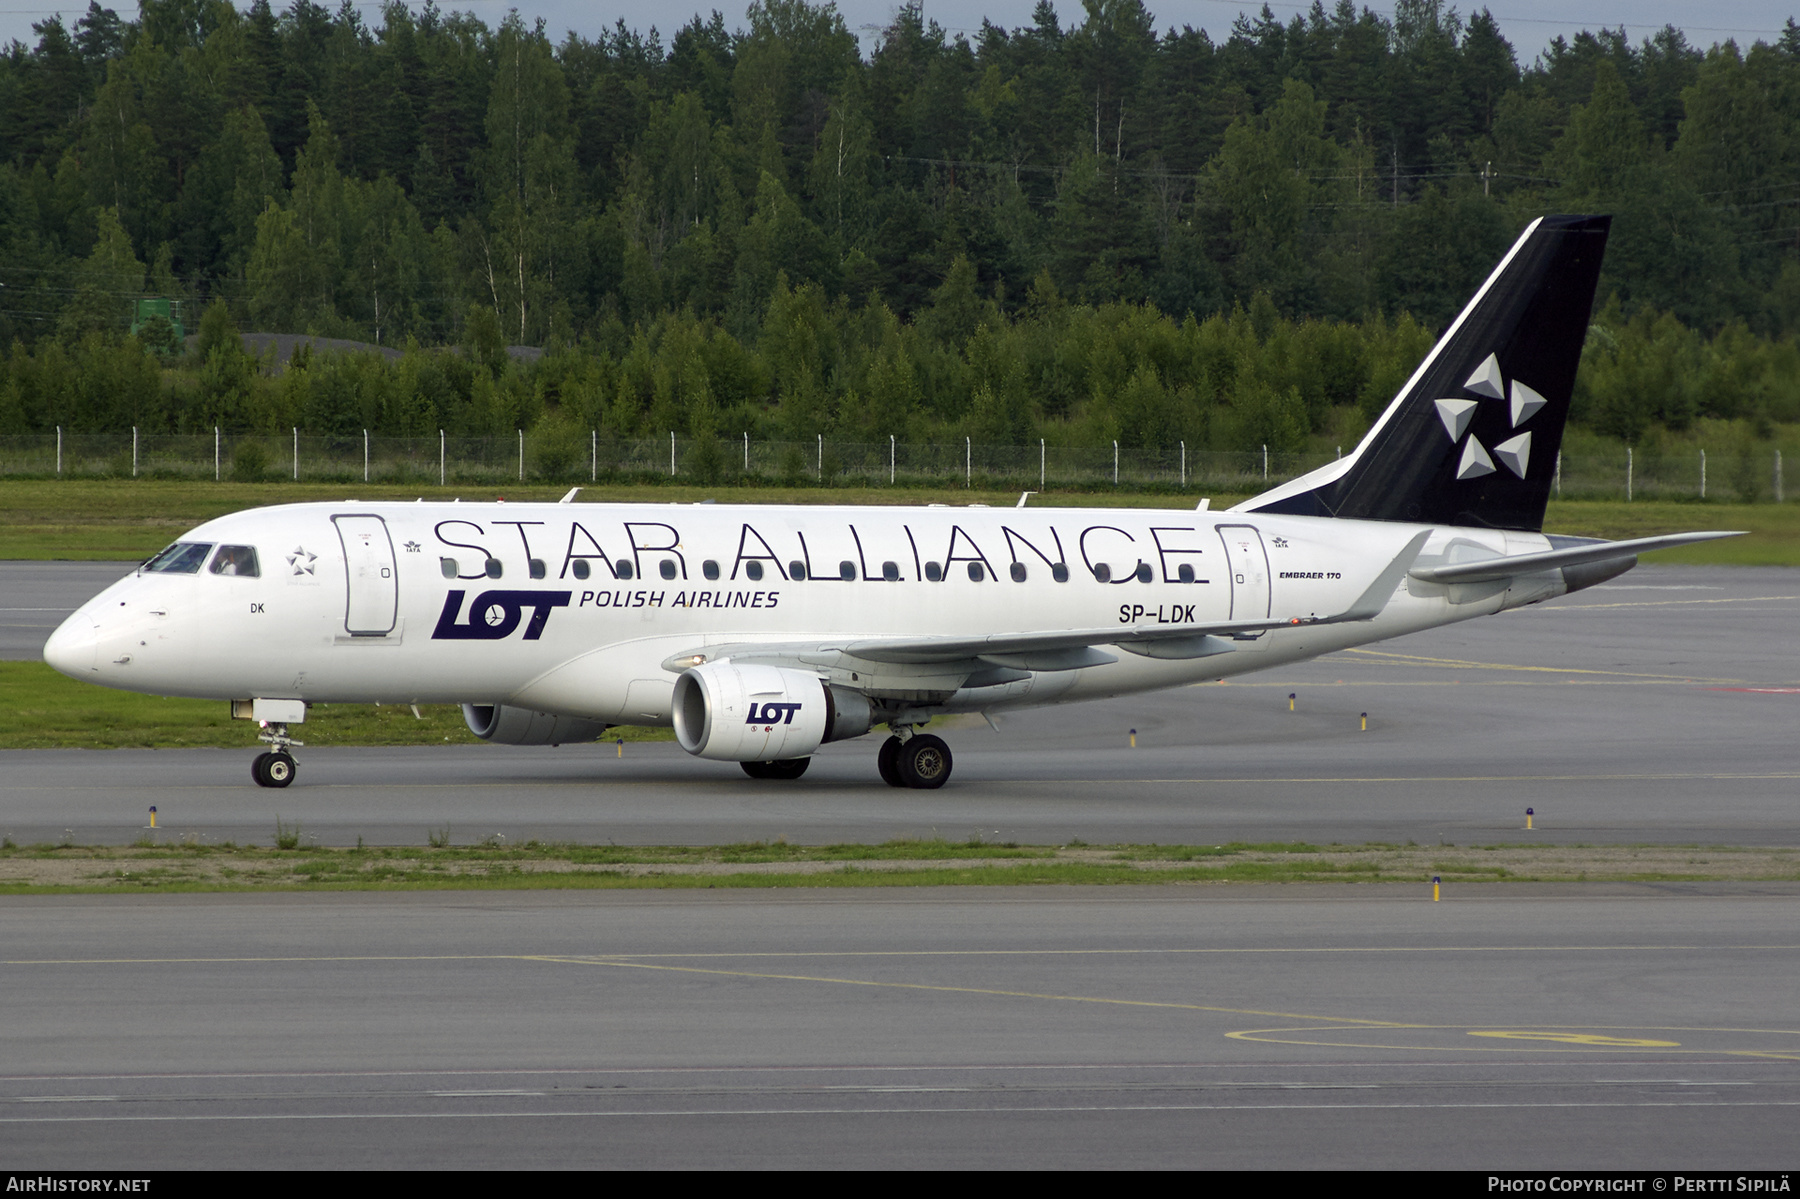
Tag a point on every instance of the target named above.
point(374, 596)
point(1248, 563)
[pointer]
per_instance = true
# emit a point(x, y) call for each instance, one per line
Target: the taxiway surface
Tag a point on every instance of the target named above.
point(1541, 1027)
point(1661, 707)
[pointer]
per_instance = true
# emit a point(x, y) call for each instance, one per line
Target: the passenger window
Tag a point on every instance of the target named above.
point(537, 568)
point(1018, 572)
point(797, 571)
point(622, 568)
point(890, 571)
point(448, 568)
point(1060, 572)
point(182, 558)
point(1102, 573)
point(710, 569)
point(933, 572)
point(976, 574)
point(494, 568)
point(581, 568)
point(239, 560)
point(1144, 573)
point(753, 571)
point(667, 568)
point(847, 571)
point(1186, 573)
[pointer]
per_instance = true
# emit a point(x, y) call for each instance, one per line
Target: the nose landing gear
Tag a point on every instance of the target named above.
point(275, 768)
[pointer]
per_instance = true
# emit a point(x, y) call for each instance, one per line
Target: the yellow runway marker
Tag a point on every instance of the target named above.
point(1742, 599)
point(1577, 1038)
point(1570, 1039)
point(623, 963)
point(1389, 657)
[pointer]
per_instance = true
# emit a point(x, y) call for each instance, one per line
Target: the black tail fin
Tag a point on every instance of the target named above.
point(1472, 439)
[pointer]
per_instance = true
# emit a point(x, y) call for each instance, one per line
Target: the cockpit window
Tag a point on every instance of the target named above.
point(182, 558)
point(237, 560)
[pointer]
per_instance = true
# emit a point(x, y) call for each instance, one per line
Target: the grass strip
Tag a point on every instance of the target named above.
point(47, 710)
point(190, 867)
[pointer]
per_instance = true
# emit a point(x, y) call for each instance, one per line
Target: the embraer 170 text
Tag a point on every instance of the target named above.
point(763, 632)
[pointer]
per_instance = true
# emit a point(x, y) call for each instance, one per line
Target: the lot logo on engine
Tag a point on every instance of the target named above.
point(772, 713)
point(495, 614)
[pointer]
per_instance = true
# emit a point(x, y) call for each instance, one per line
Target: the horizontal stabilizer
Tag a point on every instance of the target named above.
point(1524, 564)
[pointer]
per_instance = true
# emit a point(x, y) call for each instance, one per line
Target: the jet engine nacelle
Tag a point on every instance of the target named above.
point(507, 725)
point(750, 713)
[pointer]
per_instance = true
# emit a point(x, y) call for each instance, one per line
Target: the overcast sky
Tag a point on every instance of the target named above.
point(1528, 24)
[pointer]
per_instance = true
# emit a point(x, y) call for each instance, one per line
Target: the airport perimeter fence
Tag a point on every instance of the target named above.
point(1745, 476)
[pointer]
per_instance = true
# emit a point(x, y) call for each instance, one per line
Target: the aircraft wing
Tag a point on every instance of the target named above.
point(1065, 649)
point(1522, 564)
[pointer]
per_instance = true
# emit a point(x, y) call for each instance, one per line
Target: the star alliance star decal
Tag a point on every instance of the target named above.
point(1515, 452)
point(301, 561)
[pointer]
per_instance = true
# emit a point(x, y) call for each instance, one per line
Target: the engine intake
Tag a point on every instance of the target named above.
point(507, 725)
point(750, 713)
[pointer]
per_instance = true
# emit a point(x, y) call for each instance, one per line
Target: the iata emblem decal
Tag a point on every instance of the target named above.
point(495, 614)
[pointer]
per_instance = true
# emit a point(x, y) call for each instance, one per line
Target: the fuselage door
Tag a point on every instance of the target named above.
point(1248, 562)
point(374, 592)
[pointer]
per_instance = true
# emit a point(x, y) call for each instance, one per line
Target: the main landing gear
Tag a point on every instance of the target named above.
point(276, 767)
point(917, 760)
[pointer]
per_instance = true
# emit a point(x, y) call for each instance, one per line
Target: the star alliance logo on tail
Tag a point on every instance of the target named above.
point(1515, 452)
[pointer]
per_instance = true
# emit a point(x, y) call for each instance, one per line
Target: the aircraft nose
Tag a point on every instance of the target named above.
point(74, 648)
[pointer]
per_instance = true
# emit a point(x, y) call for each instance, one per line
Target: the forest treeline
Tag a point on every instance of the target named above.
point(1100, 231)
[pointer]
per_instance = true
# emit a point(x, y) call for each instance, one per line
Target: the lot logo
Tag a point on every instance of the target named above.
point(773, 714)
point(495, 614)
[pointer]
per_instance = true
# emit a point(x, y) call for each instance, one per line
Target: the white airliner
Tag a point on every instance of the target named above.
point(763, 632)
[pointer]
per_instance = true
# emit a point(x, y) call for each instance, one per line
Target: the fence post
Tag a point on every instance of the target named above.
point(821, 457)
point(968, 462)
point(671, 453)
point(1559, 474)
point(59, 449)
point(1040, 464)
point(1627, 474)
point(440, 457)
point(1702, 474)
point(134, 451)
point(1184, 463)
point(521, 455)
point(1265, 464)
point(746, 451)
point(893, 458)
point(216, 455)
point(1115, 462)
point(1777, 476)
point(593, 455)
point(296, 453)
point(365, 455)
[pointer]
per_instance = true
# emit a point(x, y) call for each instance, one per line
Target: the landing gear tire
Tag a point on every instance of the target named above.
point(781, 768)
point(887, 761)
point(274, 770)
point(924, 762)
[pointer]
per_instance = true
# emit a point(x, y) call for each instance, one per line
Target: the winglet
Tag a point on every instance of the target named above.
point(1369, 605)
point(570, 498)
